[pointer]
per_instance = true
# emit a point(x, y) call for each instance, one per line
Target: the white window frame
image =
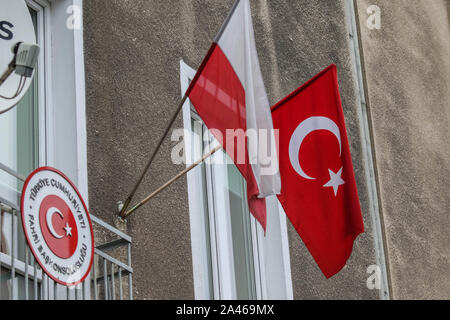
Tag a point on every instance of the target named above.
point(65, 94)
point(272, 276)
point(62, 119)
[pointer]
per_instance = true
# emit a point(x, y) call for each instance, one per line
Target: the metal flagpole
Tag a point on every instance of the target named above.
point(158, 146)
point(168, 183)
point(123, 211)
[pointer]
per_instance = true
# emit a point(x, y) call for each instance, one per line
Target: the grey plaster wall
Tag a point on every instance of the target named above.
point(408, 74)
point(132, 49)
point(132, 80)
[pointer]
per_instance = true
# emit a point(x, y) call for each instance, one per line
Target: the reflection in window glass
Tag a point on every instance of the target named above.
point(233, 190)
point(18, 142)
point(242, 239)
point(18, 152)
point(197, 149)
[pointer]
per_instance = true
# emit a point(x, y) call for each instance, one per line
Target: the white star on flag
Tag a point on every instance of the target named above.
point(335, 181)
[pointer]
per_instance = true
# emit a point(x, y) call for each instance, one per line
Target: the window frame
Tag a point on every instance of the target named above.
point(264, 246)
point(43, 76)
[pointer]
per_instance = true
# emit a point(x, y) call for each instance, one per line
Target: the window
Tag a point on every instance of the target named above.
point(18, 145)
point(232, 259)
point(224, 203)
point(48, 127)
point(18, 157)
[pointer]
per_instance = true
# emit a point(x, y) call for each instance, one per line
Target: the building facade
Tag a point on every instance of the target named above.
point(110, 78)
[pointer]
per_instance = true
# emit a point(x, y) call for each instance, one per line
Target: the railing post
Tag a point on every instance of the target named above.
point(130, 276)
point(13, 258)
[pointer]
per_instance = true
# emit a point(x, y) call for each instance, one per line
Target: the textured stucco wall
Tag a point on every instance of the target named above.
point(408, 75)
point(132, 49)
point(132, 80)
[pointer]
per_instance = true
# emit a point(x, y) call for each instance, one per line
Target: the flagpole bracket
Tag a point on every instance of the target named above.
point(120, 207)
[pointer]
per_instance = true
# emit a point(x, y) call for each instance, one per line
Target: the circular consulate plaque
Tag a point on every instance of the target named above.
point(57, 226)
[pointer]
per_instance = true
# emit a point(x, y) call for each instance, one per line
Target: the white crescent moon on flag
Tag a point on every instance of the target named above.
point(303, 130)
point(49, 216)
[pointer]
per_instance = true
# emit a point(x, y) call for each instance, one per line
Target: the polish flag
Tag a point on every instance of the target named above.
point(229, 95)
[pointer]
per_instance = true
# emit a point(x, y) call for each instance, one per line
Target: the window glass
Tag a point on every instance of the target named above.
point(18, 152)
point(241, 230)
point(18, 139)
point(229, 192)
point(197, 149)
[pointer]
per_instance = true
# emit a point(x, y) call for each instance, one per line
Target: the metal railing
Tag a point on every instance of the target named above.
point(21, 277)
point(115, 279)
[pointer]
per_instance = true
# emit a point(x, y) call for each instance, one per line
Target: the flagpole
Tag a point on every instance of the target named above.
point(171, 181)
point(130, 197)
point(158, 146)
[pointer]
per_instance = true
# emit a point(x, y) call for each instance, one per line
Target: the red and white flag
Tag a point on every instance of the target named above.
point(229, 95)
point(318, 190)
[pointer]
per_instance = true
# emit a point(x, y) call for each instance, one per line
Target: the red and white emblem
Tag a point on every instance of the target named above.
point(57, 226)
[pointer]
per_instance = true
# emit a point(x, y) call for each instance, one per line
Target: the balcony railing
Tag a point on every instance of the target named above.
point(21, 278)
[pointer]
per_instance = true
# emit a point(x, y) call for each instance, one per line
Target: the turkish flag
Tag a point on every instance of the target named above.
point(318, 188)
